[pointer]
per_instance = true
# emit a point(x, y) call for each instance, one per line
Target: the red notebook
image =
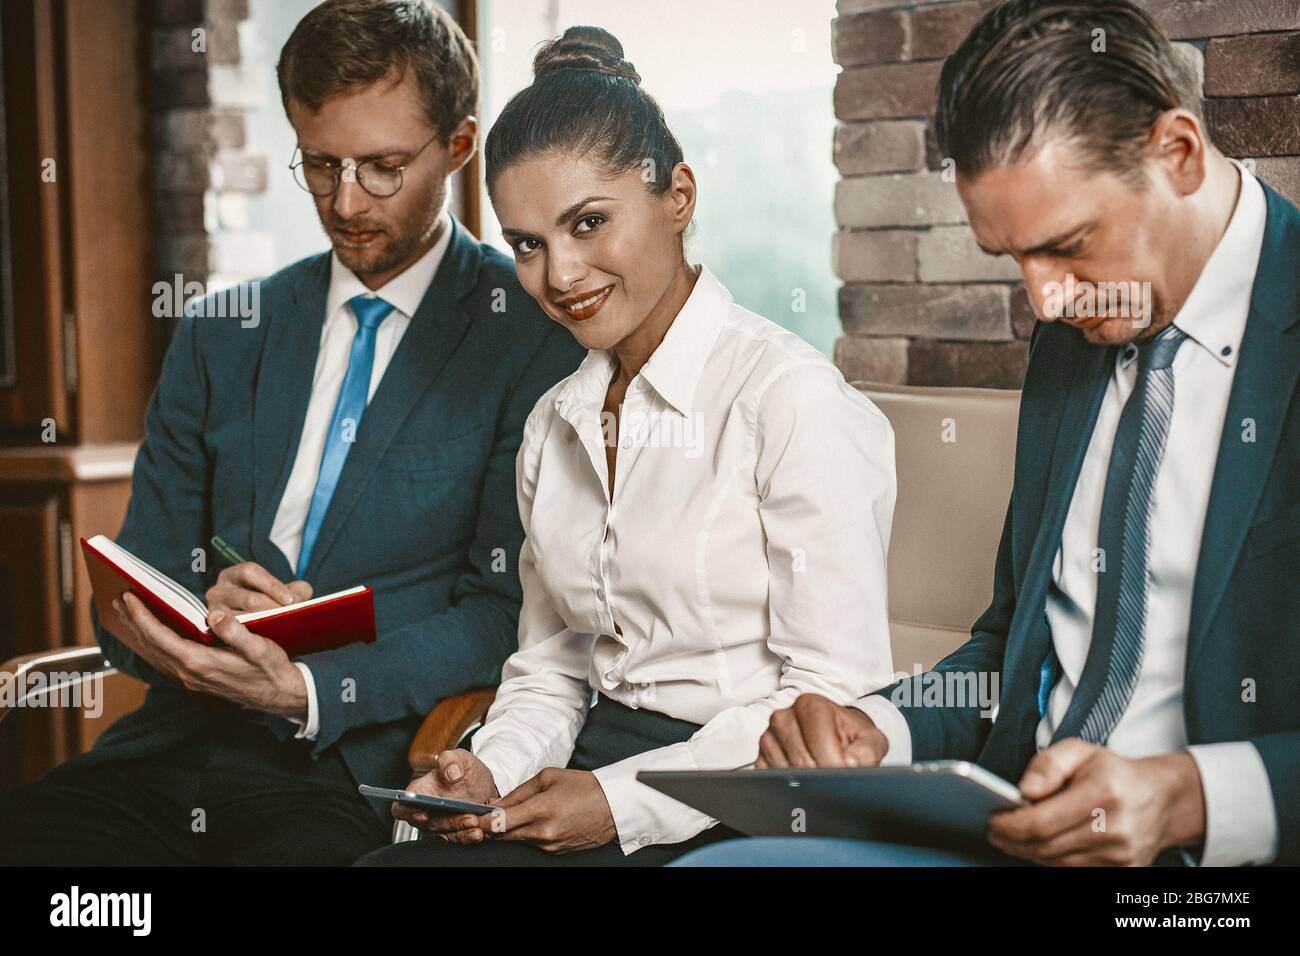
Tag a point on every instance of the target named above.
point(319, 624)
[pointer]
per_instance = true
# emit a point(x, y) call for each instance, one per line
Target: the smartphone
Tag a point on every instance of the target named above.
point(426, 802)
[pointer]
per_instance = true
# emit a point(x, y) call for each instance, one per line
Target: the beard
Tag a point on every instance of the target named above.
point(395, 246)
point(1122, 331)
point(384, 253)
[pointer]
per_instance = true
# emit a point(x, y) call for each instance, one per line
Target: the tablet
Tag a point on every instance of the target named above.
point(944, 803)
point(426, 802)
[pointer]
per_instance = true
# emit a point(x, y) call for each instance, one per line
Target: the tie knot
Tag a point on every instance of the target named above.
point(369, 310)
point(1158, 352)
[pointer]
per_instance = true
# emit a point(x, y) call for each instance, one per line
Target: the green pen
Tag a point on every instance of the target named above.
point(226, 551)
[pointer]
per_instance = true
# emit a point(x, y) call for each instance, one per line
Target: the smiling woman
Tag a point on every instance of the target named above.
point(673, 491)
point(624, 207)
point(754, 116)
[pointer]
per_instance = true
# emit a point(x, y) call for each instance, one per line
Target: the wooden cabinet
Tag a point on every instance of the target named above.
point(79, 347)
point(49, 499)
point(86, 347)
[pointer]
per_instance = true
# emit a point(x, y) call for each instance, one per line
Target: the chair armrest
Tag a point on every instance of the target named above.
point(59, 667)
point(447, 725)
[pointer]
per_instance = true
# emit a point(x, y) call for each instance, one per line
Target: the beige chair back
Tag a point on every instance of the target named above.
point(955, 452)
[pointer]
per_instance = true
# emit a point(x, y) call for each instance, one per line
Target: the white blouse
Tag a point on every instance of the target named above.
point(740, 563)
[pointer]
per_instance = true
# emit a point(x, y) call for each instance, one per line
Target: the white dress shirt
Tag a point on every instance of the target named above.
point(404, 293)
point(740, 563)
point(1241, 821)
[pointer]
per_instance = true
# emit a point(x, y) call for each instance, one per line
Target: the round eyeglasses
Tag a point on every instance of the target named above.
point(321, 177)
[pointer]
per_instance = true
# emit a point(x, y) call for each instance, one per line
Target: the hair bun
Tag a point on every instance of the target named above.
point(584, 48)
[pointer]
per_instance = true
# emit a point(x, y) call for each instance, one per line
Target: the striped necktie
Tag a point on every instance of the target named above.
point(1110, 672)
point(346, 421)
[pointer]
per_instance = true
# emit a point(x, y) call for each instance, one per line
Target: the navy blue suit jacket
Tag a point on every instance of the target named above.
point(1245, 624)
point(424, 511)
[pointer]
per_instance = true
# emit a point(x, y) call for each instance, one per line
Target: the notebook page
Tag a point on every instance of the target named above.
point(272, 612)
point(178, 598)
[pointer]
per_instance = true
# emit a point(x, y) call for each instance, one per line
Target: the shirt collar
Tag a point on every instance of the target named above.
point(1214, 315)
point(675, 368)
point(403, 292)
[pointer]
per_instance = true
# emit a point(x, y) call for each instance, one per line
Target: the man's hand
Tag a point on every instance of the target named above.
point(248, 670)
point(558, 810)
point(816, 732)
point(250, 587)
point(461, 776)
point(1093, 807)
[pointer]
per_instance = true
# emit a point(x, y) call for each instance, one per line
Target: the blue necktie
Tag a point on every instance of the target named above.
point(1110, 672)
point(351, 405)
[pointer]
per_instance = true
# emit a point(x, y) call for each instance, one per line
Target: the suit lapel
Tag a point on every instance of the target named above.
point(1261, 393)
point(435, 332)
point(1076, 411)
point(280, 399)
point(1092, 369)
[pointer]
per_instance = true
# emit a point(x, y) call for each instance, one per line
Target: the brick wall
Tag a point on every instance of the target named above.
point(920, 303)
point(204, 171)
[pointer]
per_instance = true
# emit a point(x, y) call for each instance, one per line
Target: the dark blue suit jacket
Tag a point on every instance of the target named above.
point(1245, 624)
point(424, 512)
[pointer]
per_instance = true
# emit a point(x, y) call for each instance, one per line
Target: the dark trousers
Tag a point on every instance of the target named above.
point(612, 732)
point(232, 795)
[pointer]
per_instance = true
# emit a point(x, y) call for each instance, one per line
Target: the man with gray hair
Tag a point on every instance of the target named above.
point(1145, 618)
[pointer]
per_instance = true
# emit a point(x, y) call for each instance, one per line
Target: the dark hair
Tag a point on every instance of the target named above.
point(585, 97)
point(1028, 69)
point(347, 44)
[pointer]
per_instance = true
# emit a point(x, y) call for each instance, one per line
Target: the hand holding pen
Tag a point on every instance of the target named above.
point(247, 586)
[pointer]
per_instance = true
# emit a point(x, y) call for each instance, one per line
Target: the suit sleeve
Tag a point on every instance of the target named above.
point(462, 647)
point(168, 516)
point(958, 733)
point(1281, 755)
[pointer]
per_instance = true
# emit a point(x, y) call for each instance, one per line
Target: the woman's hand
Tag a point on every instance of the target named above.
point(461, 776)
point(557, 810)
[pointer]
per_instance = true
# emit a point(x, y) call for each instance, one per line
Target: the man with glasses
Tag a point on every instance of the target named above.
point(360, 429)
